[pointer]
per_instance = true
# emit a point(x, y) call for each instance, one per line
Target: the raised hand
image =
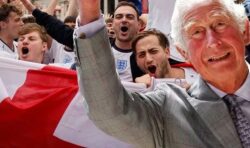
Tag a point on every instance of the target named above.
point(28, 5)
point(89, 11)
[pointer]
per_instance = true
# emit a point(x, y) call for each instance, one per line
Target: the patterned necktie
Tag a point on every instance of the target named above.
point(239, 119)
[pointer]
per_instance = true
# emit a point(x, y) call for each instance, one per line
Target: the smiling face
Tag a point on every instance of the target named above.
point(151, 57)
point(215, 44)
point(31, 47)
point(125, 23)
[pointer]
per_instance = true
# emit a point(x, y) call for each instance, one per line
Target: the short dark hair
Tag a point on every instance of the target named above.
point(130, 4)
point(163, 40)
point(70, 19)
point(28, 19)
point(6, 9)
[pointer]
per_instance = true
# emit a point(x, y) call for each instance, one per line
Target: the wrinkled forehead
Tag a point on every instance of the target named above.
point(206, 13)
point(210, 9)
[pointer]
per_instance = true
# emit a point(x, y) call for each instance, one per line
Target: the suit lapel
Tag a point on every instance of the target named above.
point(214, 112)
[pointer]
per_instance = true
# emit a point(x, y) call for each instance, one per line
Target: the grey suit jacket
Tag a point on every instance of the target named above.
point(169, 117)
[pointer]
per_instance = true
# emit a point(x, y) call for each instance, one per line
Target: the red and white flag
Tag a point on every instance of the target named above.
point(40, 106)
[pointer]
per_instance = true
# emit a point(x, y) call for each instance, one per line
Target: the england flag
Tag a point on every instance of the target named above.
point(41, 106)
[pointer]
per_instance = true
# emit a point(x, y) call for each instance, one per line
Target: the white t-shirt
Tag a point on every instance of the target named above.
point(159, 17)
point(59, 55)
point(122, 62)
point(5, 50)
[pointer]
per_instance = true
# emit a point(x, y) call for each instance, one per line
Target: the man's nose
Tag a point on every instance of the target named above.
point(213, 39)
point(124, 18)
point(149, 58)
point(25, 41)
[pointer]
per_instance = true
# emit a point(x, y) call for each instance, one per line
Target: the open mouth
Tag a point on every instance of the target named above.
point(124, 28)
point(25, 50)
point(112, 32)
point(152, 69)
point(214, 59)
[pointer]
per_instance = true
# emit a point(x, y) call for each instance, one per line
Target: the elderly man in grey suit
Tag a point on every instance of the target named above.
point(213, 113)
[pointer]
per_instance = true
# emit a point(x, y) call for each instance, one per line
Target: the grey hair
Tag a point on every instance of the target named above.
point(237, 12)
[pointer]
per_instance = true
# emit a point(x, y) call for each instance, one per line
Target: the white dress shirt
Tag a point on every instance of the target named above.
point(243, 92)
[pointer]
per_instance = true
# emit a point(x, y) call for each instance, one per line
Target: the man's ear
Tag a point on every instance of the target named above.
point(246, 33)
point(45, 46)
point(167, 51)
point(183, 52)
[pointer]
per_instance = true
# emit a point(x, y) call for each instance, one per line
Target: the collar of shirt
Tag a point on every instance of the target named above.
point(6, 48)
point(242, 92)
point(89, 29)
point(7, 52)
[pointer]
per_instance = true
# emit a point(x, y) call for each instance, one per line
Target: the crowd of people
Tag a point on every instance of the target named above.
point(159, 85)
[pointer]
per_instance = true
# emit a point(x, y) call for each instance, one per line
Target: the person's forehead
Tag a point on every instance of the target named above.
point(125, 10)
point(31, 34)
point(14, 15)
point(151, 41)
point(211, 11)
point(150, 37)
point(109, 24)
